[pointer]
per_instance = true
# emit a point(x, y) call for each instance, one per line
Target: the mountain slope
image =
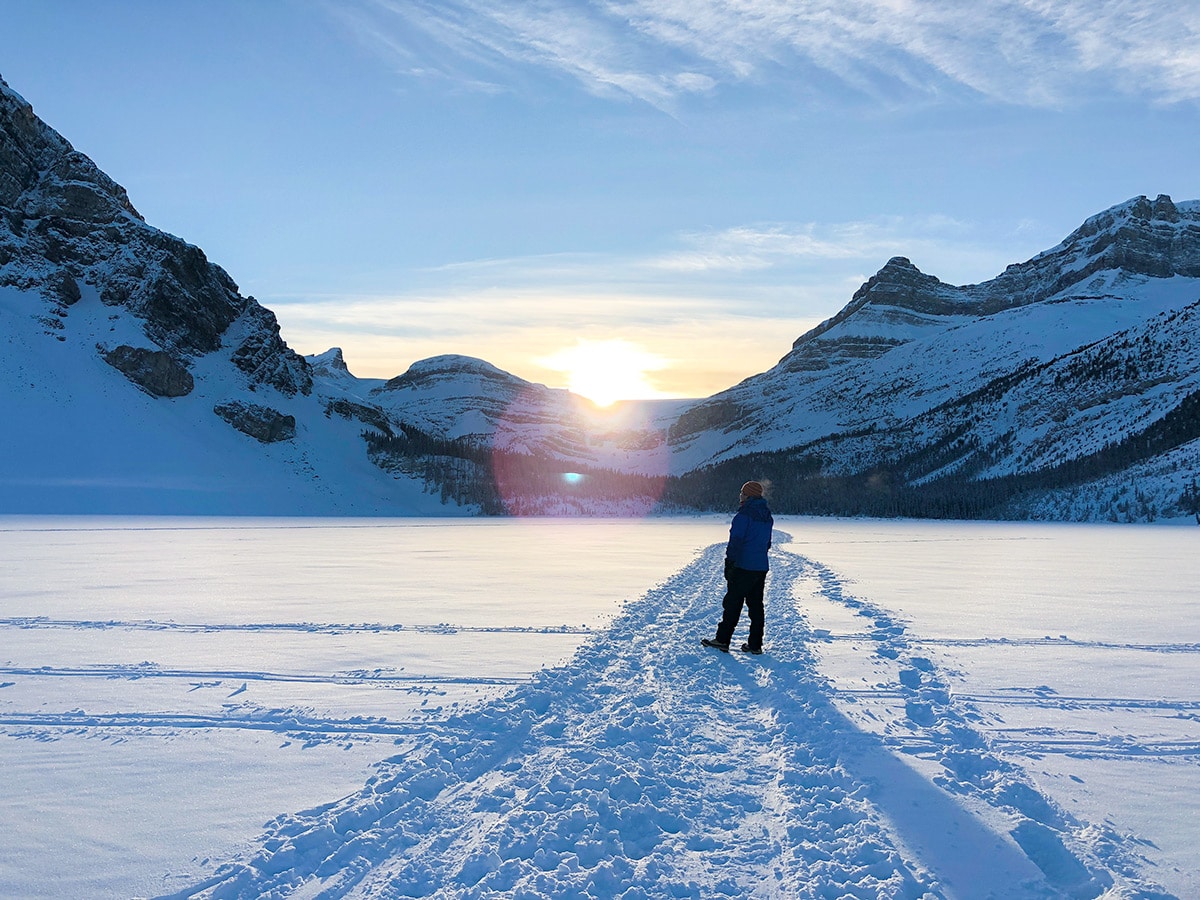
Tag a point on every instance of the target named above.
point(135, 378)
point(1079, 348)
point(907, 342)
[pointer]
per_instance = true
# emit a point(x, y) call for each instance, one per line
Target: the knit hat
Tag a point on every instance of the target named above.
point(752, 489)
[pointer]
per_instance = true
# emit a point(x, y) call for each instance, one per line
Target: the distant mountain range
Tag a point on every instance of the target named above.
point(136, 378)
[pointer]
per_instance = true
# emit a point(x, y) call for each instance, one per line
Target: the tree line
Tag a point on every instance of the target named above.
point(500, 482)
point(497, 482)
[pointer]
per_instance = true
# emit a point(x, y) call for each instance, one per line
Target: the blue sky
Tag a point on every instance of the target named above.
point(700, 180)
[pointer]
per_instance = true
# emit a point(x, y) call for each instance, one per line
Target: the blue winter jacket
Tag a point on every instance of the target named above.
point(750, 535)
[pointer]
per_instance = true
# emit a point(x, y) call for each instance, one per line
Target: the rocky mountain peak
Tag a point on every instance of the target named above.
point(1164, 208)
point(41, 174)
point(1156, 238)
point(446, 366)
point(64, 222)
point(1151, 238)
point(899, 264)
point(899, 283)
point(900, 288)
point(331, 362)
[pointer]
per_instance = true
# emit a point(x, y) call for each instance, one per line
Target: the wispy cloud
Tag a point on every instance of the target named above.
point(720, 305)
point(939, 242)
point(948, 247)
point(747, 248)
point(587, 44)
point(1147, 45)
point(1035, 52)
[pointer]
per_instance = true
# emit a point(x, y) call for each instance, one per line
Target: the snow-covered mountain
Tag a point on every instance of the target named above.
point(490, 440)
point(1084, 347)
point(135, 377)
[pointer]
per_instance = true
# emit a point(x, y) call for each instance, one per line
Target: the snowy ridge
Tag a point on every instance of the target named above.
point(907, 343)
point(1027, 395)
point(463, 398)
point(650, 767)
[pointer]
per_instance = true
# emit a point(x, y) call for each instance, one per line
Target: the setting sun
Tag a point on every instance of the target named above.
point(607, 371)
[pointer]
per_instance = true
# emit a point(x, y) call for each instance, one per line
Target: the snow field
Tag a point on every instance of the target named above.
point(1073, 652)
point(168, 685)
point(647, 767)
point(930, 720)
point(685, 772)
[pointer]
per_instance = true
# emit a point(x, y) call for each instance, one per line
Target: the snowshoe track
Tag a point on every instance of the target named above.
point(650, 766)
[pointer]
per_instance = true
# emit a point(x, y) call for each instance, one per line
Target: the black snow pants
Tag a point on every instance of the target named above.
point(745, 587)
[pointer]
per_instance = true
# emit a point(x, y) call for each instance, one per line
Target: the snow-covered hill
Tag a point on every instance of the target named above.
point(489, 440)
point(458, 397)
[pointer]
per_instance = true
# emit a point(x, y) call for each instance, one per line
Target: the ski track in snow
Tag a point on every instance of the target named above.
point(649, 766)
point(302, 627)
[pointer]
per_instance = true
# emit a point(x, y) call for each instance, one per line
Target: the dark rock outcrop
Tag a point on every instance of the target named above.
point(154, 371)
point(372, 416)
point(266, 358)
point(259, 422)
point(65, 289)
point(898, 284)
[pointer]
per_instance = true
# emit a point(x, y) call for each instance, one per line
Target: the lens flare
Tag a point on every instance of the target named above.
point(613, 472)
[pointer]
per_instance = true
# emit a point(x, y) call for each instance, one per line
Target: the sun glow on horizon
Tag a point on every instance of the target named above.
point(607, 371)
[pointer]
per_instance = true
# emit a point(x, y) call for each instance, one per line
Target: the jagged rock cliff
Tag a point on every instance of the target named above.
point(66, 224)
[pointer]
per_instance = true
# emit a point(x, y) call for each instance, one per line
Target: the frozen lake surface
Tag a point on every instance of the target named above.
point(229, 707)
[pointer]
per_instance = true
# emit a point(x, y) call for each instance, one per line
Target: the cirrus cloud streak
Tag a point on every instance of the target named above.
point(1028, 52)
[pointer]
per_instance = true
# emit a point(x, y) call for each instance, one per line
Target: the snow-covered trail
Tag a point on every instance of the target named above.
point(651, 767)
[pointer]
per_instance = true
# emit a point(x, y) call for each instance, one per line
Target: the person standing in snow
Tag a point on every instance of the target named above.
point(746, 569)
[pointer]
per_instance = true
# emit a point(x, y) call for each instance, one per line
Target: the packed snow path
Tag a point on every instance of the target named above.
point(651, 767)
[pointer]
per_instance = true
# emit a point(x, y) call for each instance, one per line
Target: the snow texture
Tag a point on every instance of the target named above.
point(862, 756)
